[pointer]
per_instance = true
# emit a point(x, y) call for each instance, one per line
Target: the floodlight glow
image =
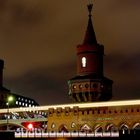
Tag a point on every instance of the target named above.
point(30, 126)
point(10, 98)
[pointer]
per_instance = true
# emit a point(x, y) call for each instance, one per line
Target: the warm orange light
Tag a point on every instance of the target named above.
point(30, 126)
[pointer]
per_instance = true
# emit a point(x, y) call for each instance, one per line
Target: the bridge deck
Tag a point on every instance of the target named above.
point(82, 105)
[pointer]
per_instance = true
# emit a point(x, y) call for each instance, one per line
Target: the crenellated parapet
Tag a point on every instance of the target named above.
point(111, 118)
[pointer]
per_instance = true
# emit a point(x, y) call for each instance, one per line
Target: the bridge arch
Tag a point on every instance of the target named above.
point(98, 128)
point(63, 128)
point(124, 128)
point(86, 128)
point(136, 128)
point(111, 128)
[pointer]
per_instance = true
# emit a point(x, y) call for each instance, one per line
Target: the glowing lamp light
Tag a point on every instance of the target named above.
point(10, 99)
point(84, 62)
point(30, 126)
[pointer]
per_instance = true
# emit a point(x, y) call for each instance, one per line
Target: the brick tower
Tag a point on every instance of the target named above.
point(90, 84)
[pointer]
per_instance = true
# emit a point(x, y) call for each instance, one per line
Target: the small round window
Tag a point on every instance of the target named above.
point(74, 86)
point(86, 85)
point(53, 125)
point(95, 85)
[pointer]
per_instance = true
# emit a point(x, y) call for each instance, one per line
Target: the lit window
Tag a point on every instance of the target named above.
point(73, 125)
point(16, 102)
point(86, 85)
point(23, 104)
point(18, 98)
point(53, 125)
point(95, 85)
point(84, 62)
point(19, 103)
point(26, 105)
point(74, 86)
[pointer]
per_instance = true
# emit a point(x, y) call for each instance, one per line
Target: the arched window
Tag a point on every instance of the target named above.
point(73, 125)
point(84, 61)
point(53, 125)
point(85, 128)
point(124, 128)
point(136, 128)
point(98, 128)
point(111, 128)
point(63, 128)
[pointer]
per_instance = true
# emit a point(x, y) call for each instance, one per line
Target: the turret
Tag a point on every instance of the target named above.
point(90, 83)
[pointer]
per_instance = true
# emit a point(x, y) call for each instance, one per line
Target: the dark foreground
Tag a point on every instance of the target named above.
point(10, 136)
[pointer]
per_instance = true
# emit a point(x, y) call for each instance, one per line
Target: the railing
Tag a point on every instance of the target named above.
point(23, 120)
point(28, 134)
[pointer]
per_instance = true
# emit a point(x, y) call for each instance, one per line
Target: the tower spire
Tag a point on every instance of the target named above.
point(90, 37)
point(90, 8)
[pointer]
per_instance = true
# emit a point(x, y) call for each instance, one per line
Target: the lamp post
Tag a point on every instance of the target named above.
point(9, 99)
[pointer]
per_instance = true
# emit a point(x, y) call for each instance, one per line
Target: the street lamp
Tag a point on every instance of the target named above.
point(9, 99)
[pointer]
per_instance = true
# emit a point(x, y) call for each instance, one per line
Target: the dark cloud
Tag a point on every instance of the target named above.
point(26, 15)
point(124, 70)
point(19, 11)
point(122, 6)
point(129, 3)
point(2, 4)
point(45, 85)
point(123, 62)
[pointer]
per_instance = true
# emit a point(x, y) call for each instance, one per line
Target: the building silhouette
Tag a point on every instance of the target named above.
point(18, 100)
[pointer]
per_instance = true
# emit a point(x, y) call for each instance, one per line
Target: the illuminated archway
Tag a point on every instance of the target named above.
point(98, 128)
point(63, 128)
point(86, 128)
point(124, 128)
point(111, 128)
point(136, 128)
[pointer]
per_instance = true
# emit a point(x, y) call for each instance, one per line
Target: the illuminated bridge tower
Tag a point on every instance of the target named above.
point(90, 84)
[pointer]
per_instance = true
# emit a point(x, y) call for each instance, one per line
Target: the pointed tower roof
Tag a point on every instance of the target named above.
point(90, 37)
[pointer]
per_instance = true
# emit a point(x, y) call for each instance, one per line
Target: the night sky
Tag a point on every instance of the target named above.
point(38, 40)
